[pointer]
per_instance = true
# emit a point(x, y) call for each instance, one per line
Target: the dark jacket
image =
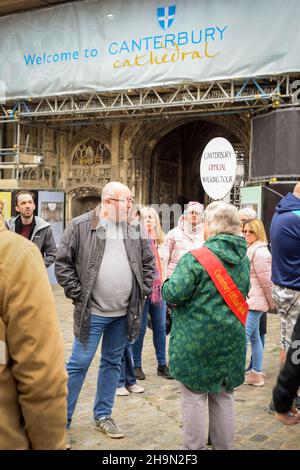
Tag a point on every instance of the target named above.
point(41, 236)
point(207, 341)
point(289, 378)
point(285, 243)
point(78, 261)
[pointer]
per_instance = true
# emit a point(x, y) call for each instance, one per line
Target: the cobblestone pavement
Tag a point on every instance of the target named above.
point(152, 420)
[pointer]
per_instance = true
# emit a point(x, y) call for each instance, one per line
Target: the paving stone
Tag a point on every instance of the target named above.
point(258, 438)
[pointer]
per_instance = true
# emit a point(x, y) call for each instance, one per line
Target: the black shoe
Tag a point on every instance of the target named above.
point(271, 408)
point(163, 371)
point(138, 373)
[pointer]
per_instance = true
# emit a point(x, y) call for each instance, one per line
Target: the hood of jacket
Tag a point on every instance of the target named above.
point(230, 248)
point(288, 203)
point(255, 246)
point(187, 228)
point(39, 223)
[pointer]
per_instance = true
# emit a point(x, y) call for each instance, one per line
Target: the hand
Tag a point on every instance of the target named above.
point(290, 418)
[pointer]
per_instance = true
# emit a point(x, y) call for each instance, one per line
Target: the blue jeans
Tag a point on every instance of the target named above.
point(252, 333)
point(115, 337)
point(127, 373)
point(158, 318)
point(263, 340)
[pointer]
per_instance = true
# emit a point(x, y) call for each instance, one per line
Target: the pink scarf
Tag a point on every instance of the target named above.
point(155, 296)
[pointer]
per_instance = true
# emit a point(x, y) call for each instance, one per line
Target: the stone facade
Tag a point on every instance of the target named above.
point(158, 159)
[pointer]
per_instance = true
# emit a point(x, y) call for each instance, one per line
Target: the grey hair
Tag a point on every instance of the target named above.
point(296, 191)
point(248, 213)
point(222, 217)
point(110, 189)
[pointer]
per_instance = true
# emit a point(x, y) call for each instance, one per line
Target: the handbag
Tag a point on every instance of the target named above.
point(168, 320)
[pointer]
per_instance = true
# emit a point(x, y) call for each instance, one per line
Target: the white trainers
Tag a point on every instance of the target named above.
point(122, 392)
point(135, 388)
point(109, 427)
point(255, 379)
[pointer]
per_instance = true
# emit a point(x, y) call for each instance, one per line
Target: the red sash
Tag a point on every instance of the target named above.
point(223, 282)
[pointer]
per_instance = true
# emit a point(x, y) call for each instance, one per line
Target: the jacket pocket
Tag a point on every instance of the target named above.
point(133, 324)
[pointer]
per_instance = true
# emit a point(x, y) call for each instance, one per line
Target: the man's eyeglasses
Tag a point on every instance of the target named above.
point(125, 199)
point(248, 232)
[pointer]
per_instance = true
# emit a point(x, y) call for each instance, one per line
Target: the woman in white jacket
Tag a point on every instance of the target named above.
point(260, 295)
point(188, 235)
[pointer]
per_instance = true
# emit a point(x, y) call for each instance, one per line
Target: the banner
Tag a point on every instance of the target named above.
point(108, 45)
point(51, 209)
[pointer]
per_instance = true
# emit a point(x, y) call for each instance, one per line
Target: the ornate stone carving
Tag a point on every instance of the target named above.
point(90, 164)
point(91, 153)
point(83, 199)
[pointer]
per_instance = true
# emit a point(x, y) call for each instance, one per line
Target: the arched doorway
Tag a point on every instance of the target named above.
point(84, 200)
point(163, 156)
point(175, 161)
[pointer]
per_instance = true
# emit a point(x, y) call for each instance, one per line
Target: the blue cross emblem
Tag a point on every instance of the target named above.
point(166, 16)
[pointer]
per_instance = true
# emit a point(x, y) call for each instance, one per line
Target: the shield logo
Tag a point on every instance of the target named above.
point(166, 16)
point(89, 156)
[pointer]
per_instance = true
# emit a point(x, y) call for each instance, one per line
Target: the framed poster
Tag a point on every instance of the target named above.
point(5, 197)
point(51, 207)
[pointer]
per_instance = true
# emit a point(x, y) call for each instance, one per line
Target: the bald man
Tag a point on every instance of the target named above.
point(106, 267)
point(285, 245)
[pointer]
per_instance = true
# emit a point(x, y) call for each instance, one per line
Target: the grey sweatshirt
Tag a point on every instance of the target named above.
point(111, 293)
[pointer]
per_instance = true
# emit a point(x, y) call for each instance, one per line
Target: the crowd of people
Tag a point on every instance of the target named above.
point(214, 271)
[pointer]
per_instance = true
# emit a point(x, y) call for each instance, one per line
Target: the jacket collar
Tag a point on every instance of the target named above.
point(95, 218)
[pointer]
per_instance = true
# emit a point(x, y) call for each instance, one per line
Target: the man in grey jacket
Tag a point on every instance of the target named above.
point(32, 227)
point(106, 266)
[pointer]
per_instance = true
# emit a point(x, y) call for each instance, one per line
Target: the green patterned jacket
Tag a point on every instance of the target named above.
point(207, 342)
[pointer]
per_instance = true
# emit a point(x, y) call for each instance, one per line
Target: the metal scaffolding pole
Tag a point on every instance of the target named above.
point(217, 97)
point(189, 99)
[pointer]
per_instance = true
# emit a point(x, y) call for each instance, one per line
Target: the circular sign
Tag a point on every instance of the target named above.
point(218, 168)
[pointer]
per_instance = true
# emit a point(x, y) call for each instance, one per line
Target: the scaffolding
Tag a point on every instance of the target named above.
point(188, 98)
point(251, 96)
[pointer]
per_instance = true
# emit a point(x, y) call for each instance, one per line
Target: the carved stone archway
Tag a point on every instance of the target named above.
point(81, 200)
point(139, 144)
point(88, 168)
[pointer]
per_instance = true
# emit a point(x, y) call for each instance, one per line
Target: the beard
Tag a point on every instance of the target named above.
point(27, 215)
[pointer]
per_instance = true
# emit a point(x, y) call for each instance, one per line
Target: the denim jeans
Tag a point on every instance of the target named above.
point(127, 373)
point(158, 318)
point(263, 340)
point(252, 333)
point(115, 337)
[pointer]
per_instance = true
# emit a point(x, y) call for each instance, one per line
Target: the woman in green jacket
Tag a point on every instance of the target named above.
point(207, 341)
